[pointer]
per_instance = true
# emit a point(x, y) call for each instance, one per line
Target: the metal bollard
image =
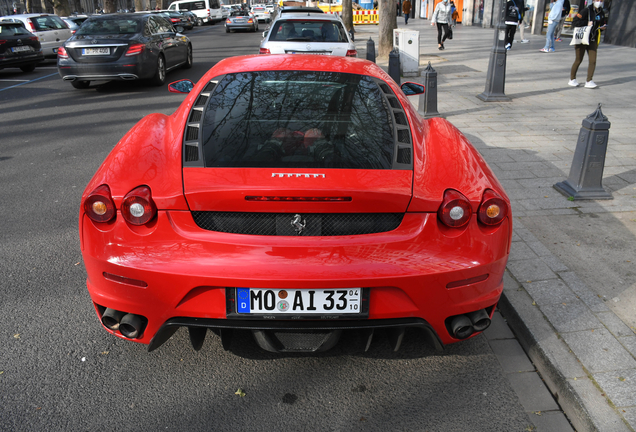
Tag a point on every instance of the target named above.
point(371, 50)
point(427, 106)
point(496, 76)
point(586, 173)
point(394, 65)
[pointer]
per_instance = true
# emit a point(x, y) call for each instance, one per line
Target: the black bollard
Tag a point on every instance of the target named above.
point(586, 173)
point(371, 50)
point(394, 65)
point(427, 106)
point(496, 77)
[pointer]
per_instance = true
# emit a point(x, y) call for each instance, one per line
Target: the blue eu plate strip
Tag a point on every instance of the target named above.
point(243, 300)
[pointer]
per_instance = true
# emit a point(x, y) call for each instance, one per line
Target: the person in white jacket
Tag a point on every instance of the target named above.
point(442, 17)
point(556, 10)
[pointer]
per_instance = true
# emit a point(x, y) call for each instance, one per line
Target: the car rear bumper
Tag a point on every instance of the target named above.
point(186, 271)
point(128, 70)
point(240, 26)
point(21, 60)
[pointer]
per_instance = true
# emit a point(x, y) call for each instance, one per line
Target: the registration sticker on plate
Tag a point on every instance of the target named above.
point(21, 48)
point(95, 51)
point(297, 301)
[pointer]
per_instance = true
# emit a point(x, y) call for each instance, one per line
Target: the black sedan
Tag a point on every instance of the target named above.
point(123, 47)
point(18, 47)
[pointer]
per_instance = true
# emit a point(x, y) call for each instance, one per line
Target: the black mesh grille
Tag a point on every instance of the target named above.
point(400, 118)
point(280, 224)
point(404, 156)
point(393, 102)
point(404, 136)
point(192, 153)
point(210, 86)
point(385, 88)
point(192, 133)
point(202, 100)
point(195, 116)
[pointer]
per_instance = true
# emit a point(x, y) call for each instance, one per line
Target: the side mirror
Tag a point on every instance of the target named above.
point(411, 88)
point(181, 86)
point(180, 29)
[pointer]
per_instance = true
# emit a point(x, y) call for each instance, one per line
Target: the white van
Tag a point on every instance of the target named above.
point(208, 11)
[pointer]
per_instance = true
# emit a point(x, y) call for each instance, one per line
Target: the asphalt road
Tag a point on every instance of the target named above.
point(59, 370)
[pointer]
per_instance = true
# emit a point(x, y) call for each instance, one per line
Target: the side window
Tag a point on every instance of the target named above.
point(214, 4)
point(173, 7)
point(152, 26)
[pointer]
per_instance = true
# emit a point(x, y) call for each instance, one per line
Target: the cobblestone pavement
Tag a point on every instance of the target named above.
point(570, 288)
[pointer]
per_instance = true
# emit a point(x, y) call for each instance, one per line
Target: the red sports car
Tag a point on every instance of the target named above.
point(295, 197)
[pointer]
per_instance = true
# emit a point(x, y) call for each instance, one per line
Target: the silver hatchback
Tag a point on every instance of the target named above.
point(308, 33)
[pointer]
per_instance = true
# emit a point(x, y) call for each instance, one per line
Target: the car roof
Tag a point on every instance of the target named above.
point(313, 16)
point(295, 9)
point(28, 15)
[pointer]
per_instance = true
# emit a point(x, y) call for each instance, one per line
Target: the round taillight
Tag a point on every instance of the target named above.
point(99, 205)
point(493, 209)
point(138, 207)
point(455, 210)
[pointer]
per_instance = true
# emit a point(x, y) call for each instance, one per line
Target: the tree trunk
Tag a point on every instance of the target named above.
point(29, 6)
point(139, 5)
point(110, 6)
point(388, 22)
point(347, 15)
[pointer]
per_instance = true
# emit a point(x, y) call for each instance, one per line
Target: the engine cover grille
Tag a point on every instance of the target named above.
point(289, 224)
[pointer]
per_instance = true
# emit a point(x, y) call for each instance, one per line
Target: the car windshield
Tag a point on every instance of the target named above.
point(110, 26)
point(308, 30)
point(297, 119)
point(48, 22)
point(7, 29)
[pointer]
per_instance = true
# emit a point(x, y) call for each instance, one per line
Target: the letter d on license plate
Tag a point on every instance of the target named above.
point(296, 301)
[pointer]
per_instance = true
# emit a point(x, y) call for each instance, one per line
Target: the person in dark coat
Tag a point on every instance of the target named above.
point(514, 9)
point(591, 15)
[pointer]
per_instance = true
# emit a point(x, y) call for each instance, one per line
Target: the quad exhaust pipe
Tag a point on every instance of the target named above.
point(129, 325)
point(463, 326)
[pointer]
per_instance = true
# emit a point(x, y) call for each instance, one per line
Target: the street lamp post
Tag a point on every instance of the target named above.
point(496, 78)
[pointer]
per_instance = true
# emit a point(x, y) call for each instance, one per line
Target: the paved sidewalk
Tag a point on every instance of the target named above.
point(570, 288)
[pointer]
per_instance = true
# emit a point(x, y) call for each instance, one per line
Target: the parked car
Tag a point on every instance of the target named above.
point(241, 20)
point(51, 31)
point(74, 21)
point(176, 18)
point(294, 199)
point(19, 48)
point(261, 13)
point(123, 47)
point(208, 11)
point(300, 9)
point(192, 18)
point(308, 33)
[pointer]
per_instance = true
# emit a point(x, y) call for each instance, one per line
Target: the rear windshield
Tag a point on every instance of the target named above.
point(110, 26)
point(308, 30)
point(297, 119)
point(47, 22)
point(7, 29)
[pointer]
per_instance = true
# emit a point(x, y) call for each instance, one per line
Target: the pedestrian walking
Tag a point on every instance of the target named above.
point(514, 9)
point(564, 15)
point(406, 9)
point(595, 16)
point(454, 13)
point(442, 16)
point(556, 10)
point(522, 25)
point(399, 9)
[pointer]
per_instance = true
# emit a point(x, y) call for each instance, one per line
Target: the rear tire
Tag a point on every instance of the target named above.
point(28, 68)
point(160, 74)
point(81, 84)
point(188, 63)
point(227, 30)
point(199, 22)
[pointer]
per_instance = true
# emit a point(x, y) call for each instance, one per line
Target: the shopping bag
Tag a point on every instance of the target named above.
point(581, 35)
point(449, 34)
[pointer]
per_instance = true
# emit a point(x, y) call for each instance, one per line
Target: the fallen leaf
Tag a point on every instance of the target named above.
point(104, 352)
point(16, 336)
point(621, 378)
point(240, 392)
point(538, 413)
point(534, 303)
point(76, 263)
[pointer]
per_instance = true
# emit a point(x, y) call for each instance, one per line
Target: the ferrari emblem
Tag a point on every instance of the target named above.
point(298, 223)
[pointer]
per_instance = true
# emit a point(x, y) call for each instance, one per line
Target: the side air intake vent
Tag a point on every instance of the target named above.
point(394, 102)
point(192, 153)
point(202, 100)
point(192, 134)
point(385, 88)
point(404, 155)
point(195, 116)
point(404, 136)
point(400, 118)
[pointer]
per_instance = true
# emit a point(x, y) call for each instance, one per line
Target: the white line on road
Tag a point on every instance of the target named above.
point(27, 82)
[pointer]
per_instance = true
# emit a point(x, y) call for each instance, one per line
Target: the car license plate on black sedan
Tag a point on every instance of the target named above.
point(315, 302)
point(95, 51)
point(23, 48)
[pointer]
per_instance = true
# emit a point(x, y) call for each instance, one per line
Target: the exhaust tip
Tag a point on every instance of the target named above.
point(111, 318)
point(461, 327)
point(130, 326)
point(480, 320)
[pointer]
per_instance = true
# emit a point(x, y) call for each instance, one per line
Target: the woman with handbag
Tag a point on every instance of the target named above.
point(442, 17)
point(593, 16)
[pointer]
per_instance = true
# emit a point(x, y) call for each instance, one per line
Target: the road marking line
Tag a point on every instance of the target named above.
point(27, 82)
point(10, 80)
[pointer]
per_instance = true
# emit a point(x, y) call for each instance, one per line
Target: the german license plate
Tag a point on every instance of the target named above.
point(95, 51)
point(309, 52)
point(241, 21)
point(297, 301)
point(21, 48)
